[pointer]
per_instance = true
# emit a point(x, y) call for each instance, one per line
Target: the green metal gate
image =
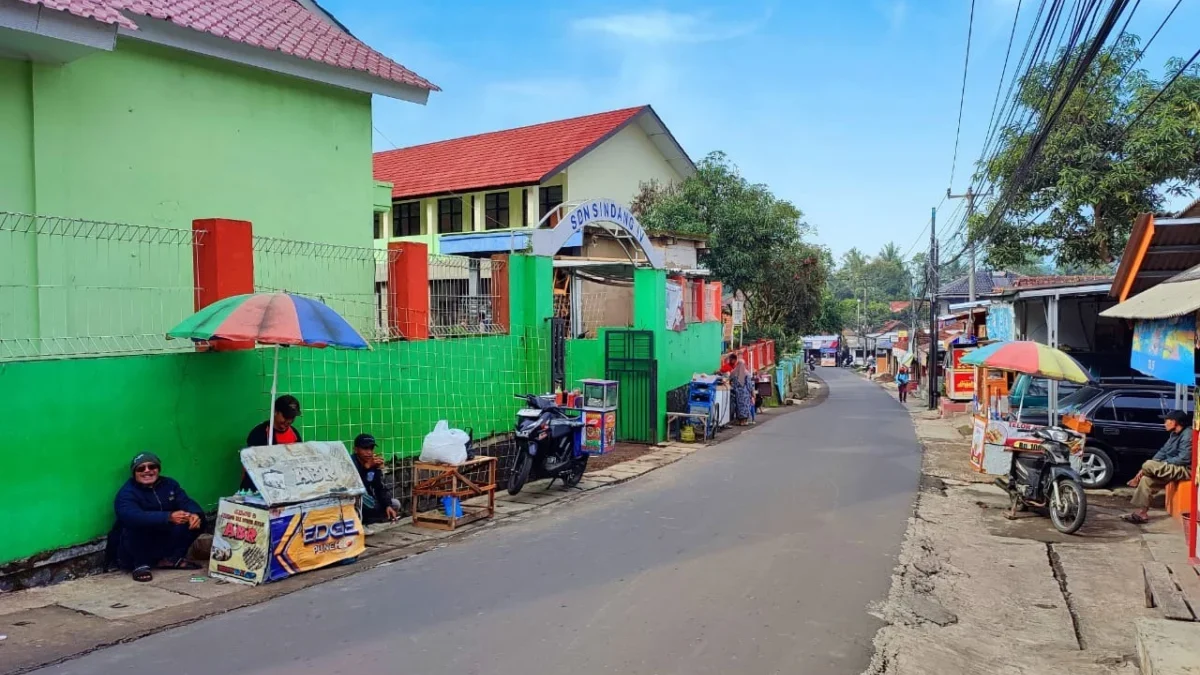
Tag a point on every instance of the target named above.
point(629, 359)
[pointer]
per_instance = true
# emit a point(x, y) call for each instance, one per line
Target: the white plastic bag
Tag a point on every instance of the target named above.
point(445, 445)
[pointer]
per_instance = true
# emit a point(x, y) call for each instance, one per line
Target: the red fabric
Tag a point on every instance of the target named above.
point(267, 318)
point(286, 437)
point(276, 25)
point(521, 156)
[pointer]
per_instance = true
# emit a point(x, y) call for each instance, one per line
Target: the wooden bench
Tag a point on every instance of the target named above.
point(1174, 589)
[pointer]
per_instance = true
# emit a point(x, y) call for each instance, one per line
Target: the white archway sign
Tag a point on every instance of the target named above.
point(598, 213)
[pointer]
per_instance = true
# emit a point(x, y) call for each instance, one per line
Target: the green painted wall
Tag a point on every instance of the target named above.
point(154, 136)
point(72, 429)
point(89, 417)
point(585, 359)
point(16, 136)
point(148, 135)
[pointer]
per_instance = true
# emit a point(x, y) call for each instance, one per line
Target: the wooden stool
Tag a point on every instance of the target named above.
point(1178, 498)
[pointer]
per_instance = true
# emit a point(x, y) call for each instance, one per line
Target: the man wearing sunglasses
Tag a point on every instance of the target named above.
point(156, 521)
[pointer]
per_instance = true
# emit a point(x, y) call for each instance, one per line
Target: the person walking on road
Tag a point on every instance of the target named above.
point(902, 384)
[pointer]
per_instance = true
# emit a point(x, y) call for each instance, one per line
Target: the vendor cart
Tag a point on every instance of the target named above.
point(302, 518)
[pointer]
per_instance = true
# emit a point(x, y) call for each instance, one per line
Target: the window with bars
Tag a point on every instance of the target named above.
point(495, 211)
point(406, 219)
point(378, 225)
point(450, 215)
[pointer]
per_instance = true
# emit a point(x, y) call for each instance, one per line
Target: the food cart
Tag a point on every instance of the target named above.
point(599, 412)
point(960, 377)
point(302, 518)
point(994, 429)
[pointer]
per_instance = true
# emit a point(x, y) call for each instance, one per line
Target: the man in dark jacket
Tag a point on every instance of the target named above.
point(156, 521)
point(1172, 463)
point(287, 409)
point(378, 504)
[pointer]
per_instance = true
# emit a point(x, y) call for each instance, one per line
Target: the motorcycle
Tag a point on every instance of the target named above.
point(1044, 475)
point(547, 445)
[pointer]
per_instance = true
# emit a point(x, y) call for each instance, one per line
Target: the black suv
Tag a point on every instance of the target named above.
point(1127, 424)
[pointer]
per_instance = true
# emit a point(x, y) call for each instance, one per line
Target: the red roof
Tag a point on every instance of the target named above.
point(521, 156)
point(277, 25)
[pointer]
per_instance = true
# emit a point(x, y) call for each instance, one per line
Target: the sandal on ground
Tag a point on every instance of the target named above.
point(179, 564)
point(1135, 518)
point(142, 574)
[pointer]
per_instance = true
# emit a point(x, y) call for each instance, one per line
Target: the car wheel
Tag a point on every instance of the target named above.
point(1097, 470)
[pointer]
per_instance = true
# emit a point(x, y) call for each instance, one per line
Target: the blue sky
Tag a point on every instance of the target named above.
point(847, 108)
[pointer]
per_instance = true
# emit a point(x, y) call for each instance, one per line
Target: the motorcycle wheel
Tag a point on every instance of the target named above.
point(520, 472)
point(1070, 511)
point(572, 477)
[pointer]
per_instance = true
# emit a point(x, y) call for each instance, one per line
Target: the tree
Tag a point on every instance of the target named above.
point(1095, 172)
point(754, 243)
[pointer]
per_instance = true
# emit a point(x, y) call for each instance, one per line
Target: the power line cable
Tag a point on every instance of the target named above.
point(1161, 91)
point(962, 96)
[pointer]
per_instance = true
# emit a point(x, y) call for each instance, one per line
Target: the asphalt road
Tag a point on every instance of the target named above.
point(761, 555)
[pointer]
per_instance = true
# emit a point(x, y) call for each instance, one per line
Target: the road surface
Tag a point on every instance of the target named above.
point(761, 555)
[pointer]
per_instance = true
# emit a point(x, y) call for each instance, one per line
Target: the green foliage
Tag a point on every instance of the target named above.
point(1094, 173)
point(754, 242)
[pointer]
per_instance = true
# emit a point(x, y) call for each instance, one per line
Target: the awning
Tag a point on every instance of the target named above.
point(1176, 296)
point(1158, 249)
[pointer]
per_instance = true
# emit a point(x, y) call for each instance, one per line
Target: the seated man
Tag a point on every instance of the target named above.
point(378, 504)
point(156, 521)
point(283, 419)
point(1172, 463)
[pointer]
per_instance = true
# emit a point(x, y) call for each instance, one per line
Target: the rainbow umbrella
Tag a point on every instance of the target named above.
point(272, 319)
point(1032, 358)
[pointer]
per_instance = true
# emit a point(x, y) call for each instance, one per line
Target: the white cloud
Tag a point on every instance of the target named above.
point(663, 27)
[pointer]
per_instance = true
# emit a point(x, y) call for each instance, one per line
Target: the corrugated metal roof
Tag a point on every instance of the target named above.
point(1176, 296)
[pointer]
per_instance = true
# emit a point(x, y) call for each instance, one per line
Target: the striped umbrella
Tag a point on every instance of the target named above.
point(1033, 358)
point(272, 319)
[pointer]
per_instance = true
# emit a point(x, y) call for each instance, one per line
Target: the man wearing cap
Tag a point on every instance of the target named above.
point(1172, 463)
point(156, 521)
point(378, 504)
point(287, 409)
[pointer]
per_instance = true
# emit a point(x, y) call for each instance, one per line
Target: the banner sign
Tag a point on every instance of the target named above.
point(1000, 322)
point(301, 471)
point(592, 213)
point(313, 535)
point(241, 543)
point(675, 320)
point(1165, 348)
point(739, 312)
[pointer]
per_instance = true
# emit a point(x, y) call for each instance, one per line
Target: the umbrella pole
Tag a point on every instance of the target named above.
point(271, 412)
point(1021, 405)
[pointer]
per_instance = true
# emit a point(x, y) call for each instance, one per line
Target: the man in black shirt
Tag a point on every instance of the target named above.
point(378, 504)
point(287, 409)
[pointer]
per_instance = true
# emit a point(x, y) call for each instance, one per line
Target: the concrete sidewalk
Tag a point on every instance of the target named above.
point(50, 624)
point(977, 593)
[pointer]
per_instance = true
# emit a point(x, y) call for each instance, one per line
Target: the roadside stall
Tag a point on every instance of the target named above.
point(302, 518)
point(303, 514)
point(960, 377)
point(994, 431)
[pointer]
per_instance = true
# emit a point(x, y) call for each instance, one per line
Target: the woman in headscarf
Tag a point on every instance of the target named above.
point(742, 386)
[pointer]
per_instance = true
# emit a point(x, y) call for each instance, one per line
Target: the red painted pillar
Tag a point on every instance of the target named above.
point(500, 291)
point(698, 299)
point(222, 265)
point(408, 290)
point(715, 308)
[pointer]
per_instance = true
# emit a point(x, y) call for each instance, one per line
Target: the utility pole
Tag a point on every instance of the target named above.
point(933, 286)
point(969, 195)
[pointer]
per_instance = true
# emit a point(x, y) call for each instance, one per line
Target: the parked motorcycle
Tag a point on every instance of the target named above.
point(1042, 476)
point(547, 445)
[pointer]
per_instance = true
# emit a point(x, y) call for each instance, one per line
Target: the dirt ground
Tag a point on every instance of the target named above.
point(621, 452)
